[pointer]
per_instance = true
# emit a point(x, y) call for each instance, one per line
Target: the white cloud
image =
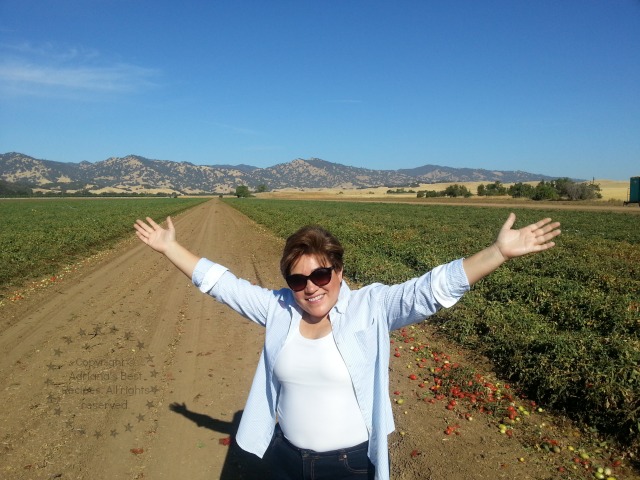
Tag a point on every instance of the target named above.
point(44, 71)
point(48, 51)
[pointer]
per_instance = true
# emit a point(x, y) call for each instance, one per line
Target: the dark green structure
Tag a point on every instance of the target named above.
point(634, 191)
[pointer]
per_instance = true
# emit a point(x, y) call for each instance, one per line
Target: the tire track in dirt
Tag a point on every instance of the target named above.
point(214, 361)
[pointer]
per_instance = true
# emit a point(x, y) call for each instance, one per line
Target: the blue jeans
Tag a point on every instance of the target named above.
point(288, 462)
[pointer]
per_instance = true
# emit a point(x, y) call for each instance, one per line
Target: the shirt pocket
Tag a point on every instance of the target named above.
point(366, 341)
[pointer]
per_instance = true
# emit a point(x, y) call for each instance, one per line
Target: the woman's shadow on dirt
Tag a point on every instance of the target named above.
point(238, 465)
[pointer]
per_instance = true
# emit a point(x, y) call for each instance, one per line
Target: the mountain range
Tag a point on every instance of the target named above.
point(135, 174)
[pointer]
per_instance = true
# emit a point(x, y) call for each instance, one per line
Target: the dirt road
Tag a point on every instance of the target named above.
point(125, 371)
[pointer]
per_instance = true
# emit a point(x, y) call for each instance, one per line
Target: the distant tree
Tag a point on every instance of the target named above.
point(400, 190)
point(262, 188)
point(583, 191)
point(242, 191)
point(494, 189)
point(430, 194)
point(563, 186)
point(595, 188)
point(457, 191)
point(481, 191)
point(545, 191)
point(521, 190)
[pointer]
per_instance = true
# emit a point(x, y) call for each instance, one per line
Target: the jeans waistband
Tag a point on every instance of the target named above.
point(339, 451)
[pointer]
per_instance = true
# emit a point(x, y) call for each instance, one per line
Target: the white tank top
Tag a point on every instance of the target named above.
point(317, 407)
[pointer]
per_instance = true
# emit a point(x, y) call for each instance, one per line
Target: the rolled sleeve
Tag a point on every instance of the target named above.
point(206, 274)
point(449, 282)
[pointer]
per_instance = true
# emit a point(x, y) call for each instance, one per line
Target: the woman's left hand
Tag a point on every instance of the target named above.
point(530, 239)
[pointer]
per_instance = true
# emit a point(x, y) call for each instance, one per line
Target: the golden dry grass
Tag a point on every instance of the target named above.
point(611, 190)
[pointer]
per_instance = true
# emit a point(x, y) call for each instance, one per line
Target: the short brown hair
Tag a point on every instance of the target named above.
point(311, 240)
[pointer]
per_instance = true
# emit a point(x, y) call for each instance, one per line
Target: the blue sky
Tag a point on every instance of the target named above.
point(544, 86)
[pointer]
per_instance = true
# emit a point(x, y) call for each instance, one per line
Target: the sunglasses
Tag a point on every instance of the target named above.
point(320, 277)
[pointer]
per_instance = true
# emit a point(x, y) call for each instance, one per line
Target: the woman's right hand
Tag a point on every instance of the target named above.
point(163, 240)
point(154, 235)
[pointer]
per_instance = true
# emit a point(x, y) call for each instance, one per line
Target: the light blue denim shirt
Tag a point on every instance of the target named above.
point(361, 321)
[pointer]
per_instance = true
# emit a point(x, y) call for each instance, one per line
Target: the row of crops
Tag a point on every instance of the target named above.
point(37, 237)
point(564, 324)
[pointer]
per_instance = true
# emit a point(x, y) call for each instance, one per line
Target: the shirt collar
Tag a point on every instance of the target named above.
point(343, 298)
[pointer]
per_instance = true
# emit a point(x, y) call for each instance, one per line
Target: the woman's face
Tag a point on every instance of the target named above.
point(314, 300)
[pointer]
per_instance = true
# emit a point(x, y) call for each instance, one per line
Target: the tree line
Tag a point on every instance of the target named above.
point(560, 189)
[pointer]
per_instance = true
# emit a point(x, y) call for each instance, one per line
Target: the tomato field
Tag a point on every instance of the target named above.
point(37, 237)
point(563, 325)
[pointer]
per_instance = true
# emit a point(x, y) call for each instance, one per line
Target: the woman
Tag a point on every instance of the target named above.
point(319, 404)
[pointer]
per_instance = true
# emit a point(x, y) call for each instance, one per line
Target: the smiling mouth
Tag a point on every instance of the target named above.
point(315, 299)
